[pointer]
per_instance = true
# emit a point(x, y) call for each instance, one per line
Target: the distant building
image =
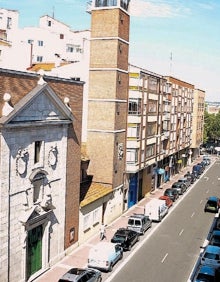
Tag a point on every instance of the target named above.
point(197, 121)
point(213, 108)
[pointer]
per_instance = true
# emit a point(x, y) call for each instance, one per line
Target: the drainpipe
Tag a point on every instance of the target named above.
point(9, 215)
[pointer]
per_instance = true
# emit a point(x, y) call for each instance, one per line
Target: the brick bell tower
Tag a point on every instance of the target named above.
point(108, 91)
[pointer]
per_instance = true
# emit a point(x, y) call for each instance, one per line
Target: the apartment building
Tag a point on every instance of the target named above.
point(197, 121)
point(52, 42)
point(146, 132)
point(180, 138)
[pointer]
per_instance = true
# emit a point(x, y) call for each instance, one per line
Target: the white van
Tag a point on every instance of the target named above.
point(104, 255)
point(156, 209)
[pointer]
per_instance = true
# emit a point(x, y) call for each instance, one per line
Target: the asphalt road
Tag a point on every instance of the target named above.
point(169, 252)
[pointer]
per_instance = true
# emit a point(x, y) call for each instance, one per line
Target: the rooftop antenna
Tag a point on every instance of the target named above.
point(53, 12)
point(171, 63)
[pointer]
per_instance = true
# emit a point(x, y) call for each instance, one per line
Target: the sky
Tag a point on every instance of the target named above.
point(169, 37)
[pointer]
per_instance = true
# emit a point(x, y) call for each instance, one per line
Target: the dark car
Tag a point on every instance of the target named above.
point(185, 181)
point(202, 166)
point(197, 169)
point(212, 204)
point(195, 174)
point(172, 194)
point(191, 177)
point(179, 187)
point(215, 238)
point(81, 275)
point(125, 238)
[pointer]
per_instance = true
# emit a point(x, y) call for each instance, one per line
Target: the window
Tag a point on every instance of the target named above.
point(37, 151)
point(152, 83)
point(120, 47)
point(49, 23)
point(151, 128)
point(96, 216)
point(134, 107)
point(152, 106)
point(86, 222)
point(132, 156)
point(134, 131)
point(30, 41)
point(150, 151)
point(40, 43)
point(69, 48)
point(61, 36)
point(105, 3)
point(9, 22)
point(39, 58)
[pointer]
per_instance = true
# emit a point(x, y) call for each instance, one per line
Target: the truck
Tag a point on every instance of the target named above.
point(156, 209)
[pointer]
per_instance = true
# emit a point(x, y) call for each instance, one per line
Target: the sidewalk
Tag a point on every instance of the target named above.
point(78, 257)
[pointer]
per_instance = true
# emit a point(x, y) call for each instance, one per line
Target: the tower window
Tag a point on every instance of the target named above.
point(37, 150)
point(105, 3)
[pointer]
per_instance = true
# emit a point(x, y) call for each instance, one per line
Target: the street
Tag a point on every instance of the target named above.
point(172, 247)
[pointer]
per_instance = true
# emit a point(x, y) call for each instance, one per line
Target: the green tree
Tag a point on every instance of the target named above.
point(211, 127)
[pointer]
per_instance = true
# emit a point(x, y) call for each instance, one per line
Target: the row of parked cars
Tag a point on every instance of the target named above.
point(104, 255)
point(179, 188)
point(208, 267)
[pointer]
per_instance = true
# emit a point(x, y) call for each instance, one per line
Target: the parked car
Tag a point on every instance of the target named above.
point(156, 209)
point(81, 275)
point(139, 223)
point(215, 238)
point(191, 177)
point(172, 194)
point(205, 273)
point(197, 169)
point(125, 238)
point(185, 181)
point(105, 255)
point(202, 166)
point(179, 187)
point(212, 204)
point(207, 159)
point(168, 201)
point(211, 256)
point(196, 174)
point(216, 223)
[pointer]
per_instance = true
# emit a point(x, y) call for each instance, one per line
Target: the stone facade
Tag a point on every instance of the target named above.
point(39, 141)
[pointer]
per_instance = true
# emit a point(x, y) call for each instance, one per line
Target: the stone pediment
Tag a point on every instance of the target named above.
point(33, 215)
point(39, 105)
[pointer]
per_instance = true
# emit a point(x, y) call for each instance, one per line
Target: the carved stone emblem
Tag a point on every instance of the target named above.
point(52, 156)
point(21, 161)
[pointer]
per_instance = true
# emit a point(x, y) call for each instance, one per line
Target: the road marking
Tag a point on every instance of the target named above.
point(164, 258)
point(181, 232)
point(193, 213)
point(201, 201)
point(206, 178)
point(207, 191)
